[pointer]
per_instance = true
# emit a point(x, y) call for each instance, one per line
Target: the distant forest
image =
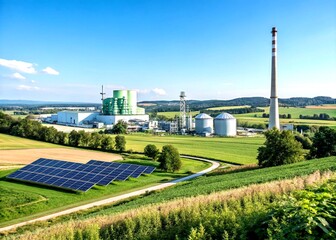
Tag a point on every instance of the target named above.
point(194, 105)
point(172, 106)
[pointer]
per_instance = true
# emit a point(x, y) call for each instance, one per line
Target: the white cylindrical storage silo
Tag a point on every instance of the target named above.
point(204, 124)
point(225, 125)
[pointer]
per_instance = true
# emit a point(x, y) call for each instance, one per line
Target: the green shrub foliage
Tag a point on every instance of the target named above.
point(279, 148)
point(306, 214)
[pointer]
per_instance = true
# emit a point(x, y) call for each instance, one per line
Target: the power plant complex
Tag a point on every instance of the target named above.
point(123, 106)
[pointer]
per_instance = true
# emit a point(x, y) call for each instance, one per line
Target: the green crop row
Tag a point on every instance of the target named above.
point(208, 184)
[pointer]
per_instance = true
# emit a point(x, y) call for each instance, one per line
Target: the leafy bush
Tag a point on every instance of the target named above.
point(306, 214)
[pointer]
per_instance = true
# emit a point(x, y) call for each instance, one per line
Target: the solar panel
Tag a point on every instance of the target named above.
point(77, 176)
point(138, 169)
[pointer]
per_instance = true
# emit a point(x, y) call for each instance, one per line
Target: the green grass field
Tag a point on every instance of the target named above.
point(228, 107)
point(8, 142)
point(241, 150)
point(29, 201)
point(296, 112)
point(209, 184)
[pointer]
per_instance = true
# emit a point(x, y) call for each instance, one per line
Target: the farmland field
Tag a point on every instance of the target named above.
point(16, 150)
point(236, 150)
point(228, 107)
point(209, 184)
point(8, 142)
point(30, 200)
point(324, 106)
point(296, 112)
point(173, 114)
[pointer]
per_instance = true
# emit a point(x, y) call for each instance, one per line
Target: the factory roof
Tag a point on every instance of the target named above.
point(224, 116)
point(203, 116)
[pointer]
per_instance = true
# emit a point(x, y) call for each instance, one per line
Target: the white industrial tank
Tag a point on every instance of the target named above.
point(225, 125)
point(204, 123)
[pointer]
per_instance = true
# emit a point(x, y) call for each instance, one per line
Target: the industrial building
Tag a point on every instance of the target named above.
point(122, 106)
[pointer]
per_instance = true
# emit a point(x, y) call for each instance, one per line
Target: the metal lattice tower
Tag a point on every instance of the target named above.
point(182, 110)
point(102, 98)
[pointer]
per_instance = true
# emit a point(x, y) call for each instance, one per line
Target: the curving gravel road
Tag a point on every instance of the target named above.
point(118, 198)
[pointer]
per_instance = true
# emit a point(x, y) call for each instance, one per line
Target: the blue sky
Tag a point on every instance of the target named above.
point(64, 50)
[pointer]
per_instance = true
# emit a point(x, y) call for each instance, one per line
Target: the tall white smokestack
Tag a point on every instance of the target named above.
point(274, 106)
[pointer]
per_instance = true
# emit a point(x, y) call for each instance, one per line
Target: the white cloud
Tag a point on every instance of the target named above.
point(27, 88)
point(159, 91)
point(32, 81)
point(51, 71)
point(17, 76)
point(20, 66)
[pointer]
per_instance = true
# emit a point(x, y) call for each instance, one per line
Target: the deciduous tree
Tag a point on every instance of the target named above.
point(170, 159)
point(324, 143)
point(279, 148)
point(120, 143)
point(151, 151)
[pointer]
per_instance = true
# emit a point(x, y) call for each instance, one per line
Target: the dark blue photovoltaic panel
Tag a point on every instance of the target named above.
point(77, 176)
point(138, 169)
point(149, 170)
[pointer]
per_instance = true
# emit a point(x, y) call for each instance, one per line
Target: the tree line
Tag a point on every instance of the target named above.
point(214, 113)
point(36, 131)
point(321, 116)
point(289, 116)
point(284, 147)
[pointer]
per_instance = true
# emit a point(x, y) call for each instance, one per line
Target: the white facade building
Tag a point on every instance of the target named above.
point(84, 118)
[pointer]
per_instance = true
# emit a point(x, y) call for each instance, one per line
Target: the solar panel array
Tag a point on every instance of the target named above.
point(78, 176)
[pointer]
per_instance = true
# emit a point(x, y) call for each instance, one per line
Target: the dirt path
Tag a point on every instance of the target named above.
point(117, 198)
point(26, 156)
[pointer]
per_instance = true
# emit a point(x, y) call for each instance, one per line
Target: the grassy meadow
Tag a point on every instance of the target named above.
point(296, 112)
point(25, 201)
point(240, 150)
point(8, 142)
